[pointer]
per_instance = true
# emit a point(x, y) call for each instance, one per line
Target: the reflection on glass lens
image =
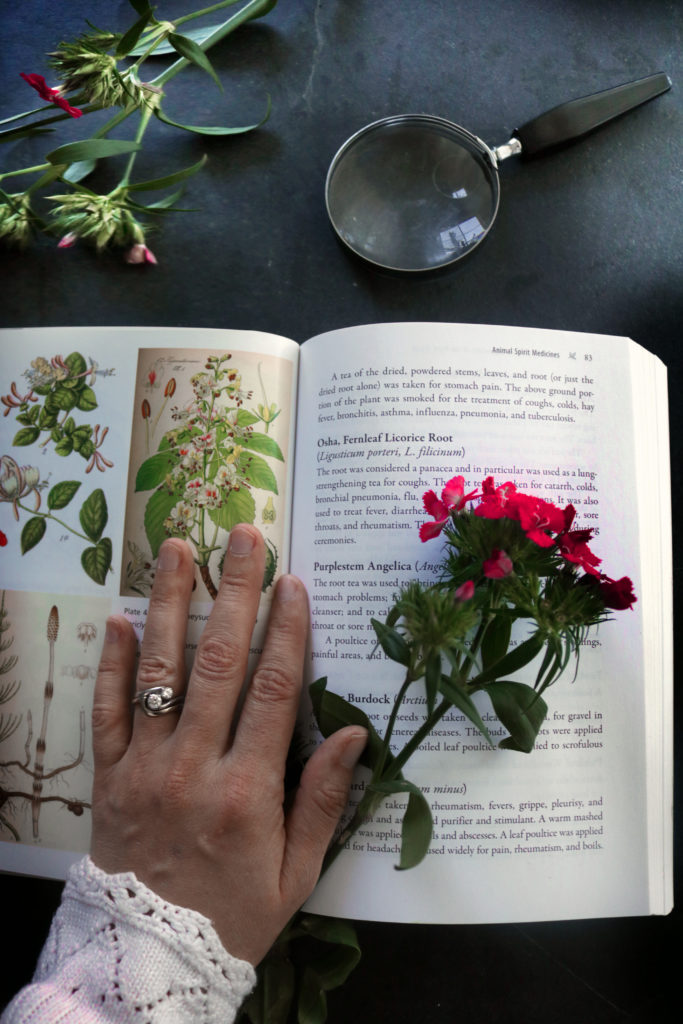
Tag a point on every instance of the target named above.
point(412, 193)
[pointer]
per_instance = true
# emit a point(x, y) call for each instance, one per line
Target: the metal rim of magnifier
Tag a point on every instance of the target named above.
point(459, 135)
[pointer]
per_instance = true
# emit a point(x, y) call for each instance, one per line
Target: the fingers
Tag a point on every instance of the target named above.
point(267, 718)
point(221, 658)
point(320, 801)
point(111, 719)
point(162, 656)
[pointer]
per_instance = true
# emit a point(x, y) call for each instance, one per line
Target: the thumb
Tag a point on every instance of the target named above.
point(319, 803)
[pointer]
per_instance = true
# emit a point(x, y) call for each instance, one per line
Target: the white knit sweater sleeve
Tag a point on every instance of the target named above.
point(117, 952)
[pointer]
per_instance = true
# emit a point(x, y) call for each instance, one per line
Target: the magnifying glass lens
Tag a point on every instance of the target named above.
point(412, 193)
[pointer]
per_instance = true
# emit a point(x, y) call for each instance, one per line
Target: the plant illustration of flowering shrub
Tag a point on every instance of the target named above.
point(206, 468)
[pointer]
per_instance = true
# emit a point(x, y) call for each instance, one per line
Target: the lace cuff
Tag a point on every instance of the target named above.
point(118, 952)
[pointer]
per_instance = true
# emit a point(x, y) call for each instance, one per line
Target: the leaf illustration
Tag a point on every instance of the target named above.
point(61, 494)
point(239, 507)
point(152, 472)
point(86, 400)
point(26, 436)
point(94, 514)
point(257, 472)
point(158, 509)
point(97, 561)
point(32, 533)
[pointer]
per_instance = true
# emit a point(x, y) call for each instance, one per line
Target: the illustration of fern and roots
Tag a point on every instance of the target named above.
point(33, 764)
point(205, 469)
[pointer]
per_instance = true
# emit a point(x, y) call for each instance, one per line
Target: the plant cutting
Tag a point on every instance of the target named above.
point(518, 590)
point(100, 70)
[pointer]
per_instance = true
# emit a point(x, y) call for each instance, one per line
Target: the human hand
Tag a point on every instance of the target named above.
point(191, 803)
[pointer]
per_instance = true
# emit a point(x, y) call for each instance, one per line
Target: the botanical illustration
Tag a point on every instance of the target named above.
point(20, 484)
point(49, 417)
point(29, 779)
point(49, 411)
point(206, 460)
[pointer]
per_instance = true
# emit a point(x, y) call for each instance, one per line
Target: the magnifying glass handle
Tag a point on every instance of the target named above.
point(578, 117)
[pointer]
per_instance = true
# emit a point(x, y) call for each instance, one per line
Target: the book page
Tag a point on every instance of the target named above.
point(386, 413)
point(112, 440)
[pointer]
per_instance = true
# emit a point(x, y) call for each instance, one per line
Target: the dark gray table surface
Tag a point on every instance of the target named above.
point(589, 238)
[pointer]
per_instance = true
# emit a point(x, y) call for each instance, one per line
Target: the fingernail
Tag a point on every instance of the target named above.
point(112, 632)
point(169, 558)
point(241, 542)
point(355, 745)
point(288, 587)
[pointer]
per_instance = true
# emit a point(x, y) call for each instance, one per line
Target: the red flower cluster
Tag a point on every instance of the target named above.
point(45, 92)
point(542, 522)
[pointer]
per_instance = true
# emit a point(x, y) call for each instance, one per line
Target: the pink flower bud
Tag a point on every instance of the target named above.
point(67, 241)
point(498, 566)
point(465, 592)
point(139, 253)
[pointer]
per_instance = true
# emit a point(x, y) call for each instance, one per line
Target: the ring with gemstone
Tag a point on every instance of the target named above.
point(158, 700)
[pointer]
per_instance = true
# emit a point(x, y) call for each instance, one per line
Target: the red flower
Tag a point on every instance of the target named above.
point(465, 591)
point(453, 499)
point(3, 540)
point(498, 566)
point(536, 516)
point(573, 548)
point(617, 594)
point(38, 83)
point(495, 500)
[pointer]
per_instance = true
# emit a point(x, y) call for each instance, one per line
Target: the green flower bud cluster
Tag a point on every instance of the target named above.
point(100, 219)
point(16, 218)
point(87, 68)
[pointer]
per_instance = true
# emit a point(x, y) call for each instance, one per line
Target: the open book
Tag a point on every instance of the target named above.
point(328, 447)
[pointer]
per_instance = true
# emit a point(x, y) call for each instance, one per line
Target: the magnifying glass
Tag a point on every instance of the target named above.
point(416, 192)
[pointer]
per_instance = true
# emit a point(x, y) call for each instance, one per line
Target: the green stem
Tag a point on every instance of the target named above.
point(145, 115)
point(27, 113)
point(25, 170)
point(206, 10)
point(49, 515)
point(250, 10)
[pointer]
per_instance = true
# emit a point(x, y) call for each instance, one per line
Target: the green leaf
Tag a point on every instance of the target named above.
point(64, 446)
point(244, 418)
point(432, 679)
point(340, 936)
point(153, 471)
point(79, 170)
point(169, 179)
point(496, 640)
point(93, 515)
point(332, 713)
point(520, 710)
point(263, 444)
point(164, 47)
point(215, 130)
point(257, 472)
point(130, 38)
point(188, 49)
point(65, 398)
point(97, 561)
point(27, 435)
point(77, 366)
point(391, 642)
point(417, 826)
point(515, 659)
point(32, 533)
point(312, 1006)
point(141, 6)
point(47, 418)
point(238, 507)
point(271, 1001)
point(157, 510)
point(91, 149)
point(463, 702)
point(61, 494)
point(86, 400)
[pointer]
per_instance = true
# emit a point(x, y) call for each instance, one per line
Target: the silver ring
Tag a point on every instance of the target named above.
point(158, 700)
